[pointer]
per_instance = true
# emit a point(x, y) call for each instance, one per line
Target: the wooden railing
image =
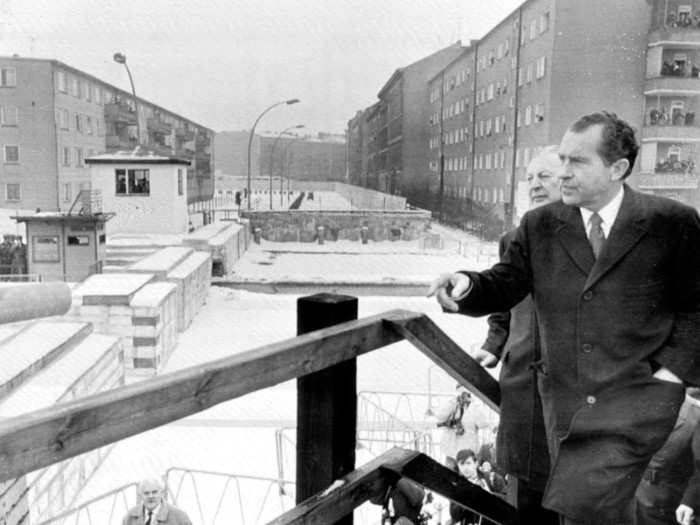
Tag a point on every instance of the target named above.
point(38, 439)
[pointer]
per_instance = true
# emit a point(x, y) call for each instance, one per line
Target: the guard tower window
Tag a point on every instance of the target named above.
point(132, 182)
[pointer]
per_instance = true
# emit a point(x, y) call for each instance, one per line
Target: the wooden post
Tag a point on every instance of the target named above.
point(326, 404)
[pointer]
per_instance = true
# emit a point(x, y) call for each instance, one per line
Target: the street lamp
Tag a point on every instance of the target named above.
point(252, 133)
point(272, 154)
point(120, 58)
point(284, 161)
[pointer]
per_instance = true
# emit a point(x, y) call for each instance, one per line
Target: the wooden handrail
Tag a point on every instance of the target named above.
point(41, 438)
point(374, 477)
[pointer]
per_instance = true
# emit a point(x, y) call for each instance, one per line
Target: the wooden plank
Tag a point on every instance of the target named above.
point(374, 477)
point(326, 404)
point(357, 487)
point(438, 478)
point(47, 436)
point(422, 332)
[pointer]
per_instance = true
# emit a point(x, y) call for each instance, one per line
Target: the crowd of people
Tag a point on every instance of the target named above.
point(663, 117)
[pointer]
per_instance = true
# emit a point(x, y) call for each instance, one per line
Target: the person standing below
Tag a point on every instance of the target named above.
point(468, 468)
point(153, 509)
point(614, 277)
point(521, 445)
point(461, 421)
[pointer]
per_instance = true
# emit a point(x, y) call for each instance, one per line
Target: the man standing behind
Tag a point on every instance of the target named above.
point(521, 444)
point(154, 510)
point(613, 275)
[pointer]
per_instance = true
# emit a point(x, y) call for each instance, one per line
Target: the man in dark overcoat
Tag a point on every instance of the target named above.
point(613, 274)
point(521, 444)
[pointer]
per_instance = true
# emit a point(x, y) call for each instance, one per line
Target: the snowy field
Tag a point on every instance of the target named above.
point(242, 436)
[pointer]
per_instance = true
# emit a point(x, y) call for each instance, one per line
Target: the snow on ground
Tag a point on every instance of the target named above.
point(241, 436)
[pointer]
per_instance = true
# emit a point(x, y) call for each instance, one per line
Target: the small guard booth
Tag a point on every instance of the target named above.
point(146, 192)
point(65, 246)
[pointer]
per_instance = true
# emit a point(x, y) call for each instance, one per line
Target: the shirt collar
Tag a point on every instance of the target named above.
point(608, 213)
point(155, 512)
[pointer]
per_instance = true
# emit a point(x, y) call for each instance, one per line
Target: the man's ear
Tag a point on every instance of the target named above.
point(619, 168)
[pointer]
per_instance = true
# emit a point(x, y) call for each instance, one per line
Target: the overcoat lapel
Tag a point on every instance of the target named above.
point(573, 238)
point(627, 230)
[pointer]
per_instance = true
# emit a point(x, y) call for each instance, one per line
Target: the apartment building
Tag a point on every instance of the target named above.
point(671, 132)
point(398, 134)
point(451, 95)
point(53, 116)
point(543, 66)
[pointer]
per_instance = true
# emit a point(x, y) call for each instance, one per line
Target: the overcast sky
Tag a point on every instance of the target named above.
point(221, 62)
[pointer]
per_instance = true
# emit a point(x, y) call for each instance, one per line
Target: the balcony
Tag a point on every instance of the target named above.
point(184, 135)
point(689, 36)
point(668, 133)
point(666, 181)
point(203, 140)
point(155, 125)
point(671, 84)
point(117, 142)
point(120, 112)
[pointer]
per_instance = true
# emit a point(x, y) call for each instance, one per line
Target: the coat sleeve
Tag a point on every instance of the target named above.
point(446, 409)
point(505, 284)
point(499, 322)
point(680, 353)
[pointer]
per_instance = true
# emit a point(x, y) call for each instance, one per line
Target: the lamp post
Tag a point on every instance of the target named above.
point(252, 133)
point(120, 58)
point(272, 154)
point(284, 158)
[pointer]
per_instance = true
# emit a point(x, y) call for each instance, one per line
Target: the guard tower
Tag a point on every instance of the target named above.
point(67, 246)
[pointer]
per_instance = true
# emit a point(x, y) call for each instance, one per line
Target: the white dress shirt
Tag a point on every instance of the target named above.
point(608, 214)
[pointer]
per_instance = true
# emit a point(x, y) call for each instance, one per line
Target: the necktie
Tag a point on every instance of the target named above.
point(596, 236)
point(149, 518)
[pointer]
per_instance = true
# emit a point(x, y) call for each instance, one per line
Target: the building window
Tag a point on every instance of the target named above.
point(506, 47)
point(526, 156)
point(521, 76)
point(98, 127)
point(78, 123)
point(61, 82)
point(528, 73)
point(11, 154)
point(66, 156)
point(8, 77)
point(528, 115)
point(78, 240)
point(75, 87)
point(67, 192)
point(88, 125)
point(8, 115)
point(490, 92)
point(13, 192)
point(63, 118)
point(87, 92)
point(533, 29)
point(132, 182)
point(180, 185)
point(541, 66)
point(103, 238)
point(79, 157)
point(96, 94)
point(539, 112)
point(544, 22)
point(45, 248)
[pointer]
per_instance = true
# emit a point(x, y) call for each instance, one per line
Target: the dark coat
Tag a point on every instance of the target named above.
point(605, 325)
point(521, 443)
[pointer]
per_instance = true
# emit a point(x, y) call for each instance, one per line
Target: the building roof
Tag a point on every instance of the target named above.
point(136, 156)
point(57, 216)
point(467, 50)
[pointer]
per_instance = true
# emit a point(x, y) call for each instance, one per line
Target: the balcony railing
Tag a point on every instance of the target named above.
point(44, 437)
point(687, 34)
point(117, 142)
point(670, 84)
point(184, 135)
point(120, 112)
point(666, 181)
point(156, 125)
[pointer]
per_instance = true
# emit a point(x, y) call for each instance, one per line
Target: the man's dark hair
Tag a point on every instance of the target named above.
point(617, 140)
point(465, 454)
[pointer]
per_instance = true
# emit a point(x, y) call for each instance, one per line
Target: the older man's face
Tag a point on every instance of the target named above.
point(543, 179)
point(151, 495)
